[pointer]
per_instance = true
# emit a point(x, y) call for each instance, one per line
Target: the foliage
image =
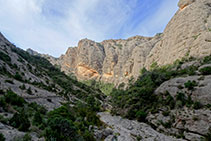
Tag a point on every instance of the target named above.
point(29, 91)
point(141, 115)
point(14, 99)
point(27, 137)
point(60, 128)
point(206, 70)
point(197, 105)
point(2, 102)
point(4, 57)
point(190, 84)
point(20, 121)
point(2, 138)
point(140, 96)
point(70, 123)
point(18, 76)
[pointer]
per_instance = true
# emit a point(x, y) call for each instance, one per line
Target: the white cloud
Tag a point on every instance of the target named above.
point(50, 26)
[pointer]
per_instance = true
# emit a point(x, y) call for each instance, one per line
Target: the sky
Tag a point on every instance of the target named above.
point(51, 26)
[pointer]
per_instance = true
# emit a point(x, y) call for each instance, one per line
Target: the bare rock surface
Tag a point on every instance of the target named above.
point(194, 123)
point(130, 130)
point(187, 34)
point(200, 93)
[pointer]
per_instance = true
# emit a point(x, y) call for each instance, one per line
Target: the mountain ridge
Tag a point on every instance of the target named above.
point(119, 61)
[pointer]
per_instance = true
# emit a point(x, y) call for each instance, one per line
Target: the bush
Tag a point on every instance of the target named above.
point(206, 70)
point(190, 85)
point(18, 76)
point(29, 91)
point(60, 129)
point(14, 99)
point(197, 105)
point(2, 138)
point(37, 119)
point(141, 115)
point(27, 137)
point(182, 98)
point(5, 57)
point(20, 121)
point(2, 102)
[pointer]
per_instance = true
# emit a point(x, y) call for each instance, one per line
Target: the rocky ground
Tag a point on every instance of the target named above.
point(129, 130)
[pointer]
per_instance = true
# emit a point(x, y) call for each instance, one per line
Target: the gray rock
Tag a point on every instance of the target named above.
point(130, 130)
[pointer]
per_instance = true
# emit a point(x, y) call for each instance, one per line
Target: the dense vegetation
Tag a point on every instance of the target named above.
point(64, 123)
point(139, 99)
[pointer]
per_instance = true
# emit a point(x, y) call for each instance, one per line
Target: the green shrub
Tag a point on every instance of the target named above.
point(60, 129)
point(141, 115)
point(18, 76)
point(20, 121)
point(197, 105)
point(2, 138)
point(206, 70)
point(182, 98)
point(29, 91)
point(2, 102)
point(4, 57)
point(207, 60)
point(27, 137)
point(37, 119)
point(190, 84)
point(14, 99)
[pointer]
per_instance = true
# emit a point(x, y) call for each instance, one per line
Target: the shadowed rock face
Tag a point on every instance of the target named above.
point(116, 61)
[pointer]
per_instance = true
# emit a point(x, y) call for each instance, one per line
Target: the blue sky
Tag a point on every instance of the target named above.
point(51, 26)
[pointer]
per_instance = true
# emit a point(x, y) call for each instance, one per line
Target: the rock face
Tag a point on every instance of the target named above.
point(111, 61)
point(187, 34)
point(130, 130)
point(200, 93)
point(116, 61)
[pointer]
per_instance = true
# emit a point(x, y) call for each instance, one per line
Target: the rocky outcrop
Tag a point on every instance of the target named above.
point(116, 61)
point(200, 93)
point(111, 61)
point(193, 125)
point(130, 130)
point(187, 34)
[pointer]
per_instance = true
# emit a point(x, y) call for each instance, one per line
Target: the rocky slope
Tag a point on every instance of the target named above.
point(118, 61)
point(31, 89)
point(130, 130)
point(174, 99)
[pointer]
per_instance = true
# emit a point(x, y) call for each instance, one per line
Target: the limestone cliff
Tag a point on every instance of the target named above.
point(187, 34)
point(112, 61)
point(116, 61)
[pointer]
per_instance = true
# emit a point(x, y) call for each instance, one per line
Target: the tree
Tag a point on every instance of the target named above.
point(60, 128)
point(20, 121)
